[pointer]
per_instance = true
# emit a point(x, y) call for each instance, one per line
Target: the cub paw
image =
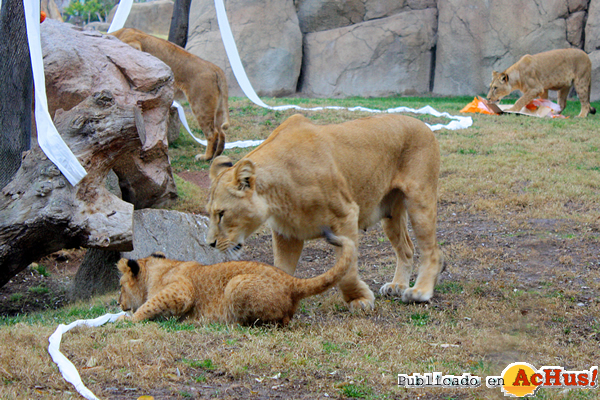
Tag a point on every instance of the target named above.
point(124, 318)
point(414, 295)
point(392, 289)
point(364, 304)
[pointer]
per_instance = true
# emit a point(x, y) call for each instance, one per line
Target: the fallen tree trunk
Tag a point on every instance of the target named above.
point(40, 212)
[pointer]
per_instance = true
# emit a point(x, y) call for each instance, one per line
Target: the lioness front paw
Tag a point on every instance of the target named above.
point(414, 295)
point(392, 289)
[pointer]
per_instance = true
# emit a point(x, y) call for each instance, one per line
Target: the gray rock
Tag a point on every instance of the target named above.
point(592, 27)
point(322, 15)
point(268, 38)
point(595, 91)
point(375, 58)
point(152, 17)
point(475, 38)
point(181, 236)
point(575, 23)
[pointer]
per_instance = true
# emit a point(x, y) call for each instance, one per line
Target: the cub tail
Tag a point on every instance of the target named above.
point(313, 286)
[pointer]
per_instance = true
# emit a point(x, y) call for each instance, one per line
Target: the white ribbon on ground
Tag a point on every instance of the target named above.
point(67, 369)
point(121, 15)
point(48, 137)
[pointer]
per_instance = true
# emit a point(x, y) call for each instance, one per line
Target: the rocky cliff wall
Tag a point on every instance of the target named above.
point(335, 48)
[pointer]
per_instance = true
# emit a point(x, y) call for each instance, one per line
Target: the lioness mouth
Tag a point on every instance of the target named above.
point(237, 247)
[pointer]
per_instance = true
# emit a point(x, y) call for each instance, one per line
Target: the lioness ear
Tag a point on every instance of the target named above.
point(504, 78)
point(244, 174)
point(219, 164)
point(494, 74)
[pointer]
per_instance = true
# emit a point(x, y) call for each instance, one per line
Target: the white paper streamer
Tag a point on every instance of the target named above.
point(241, 143)
point(48, 137)
point(67, 369)
point(239, 72)
point(121, 15)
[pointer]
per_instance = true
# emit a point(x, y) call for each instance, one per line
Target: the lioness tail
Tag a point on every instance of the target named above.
point(312, 286)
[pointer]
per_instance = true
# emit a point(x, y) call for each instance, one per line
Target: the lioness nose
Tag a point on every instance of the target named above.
point(213, 244)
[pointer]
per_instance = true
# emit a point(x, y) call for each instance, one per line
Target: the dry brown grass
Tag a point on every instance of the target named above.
point(520, 229)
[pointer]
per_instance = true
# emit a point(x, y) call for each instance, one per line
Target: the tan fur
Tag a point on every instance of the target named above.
point(551, 70)
point(347, 176)
point(202, 82)
point(232, 292)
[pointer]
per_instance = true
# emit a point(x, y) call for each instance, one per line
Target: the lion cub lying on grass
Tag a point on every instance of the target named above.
point(241, 292)
point(550, 70)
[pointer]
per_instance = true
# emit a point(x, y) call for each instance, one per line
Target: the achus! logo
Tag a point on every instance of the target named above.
point(521, 379)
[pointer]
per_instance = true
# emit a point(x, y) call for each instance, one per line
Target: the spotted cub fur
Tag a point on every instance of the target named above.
point(241, 292)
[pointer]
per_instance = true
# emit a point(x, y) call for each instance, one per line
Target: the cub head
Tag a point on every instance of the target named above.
point(235, 209)
point(134, 274)
point(500, 86)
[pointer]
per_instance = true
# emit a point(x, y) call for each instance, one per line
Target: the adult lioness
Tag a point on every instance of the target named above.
point(202, 82)
point(347, 176)
point(551, 70)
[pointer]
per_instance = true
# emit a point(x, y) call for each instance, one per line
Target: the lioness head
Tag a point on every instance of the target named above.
point(134, 274)
point(500, 86)
point(235, 209)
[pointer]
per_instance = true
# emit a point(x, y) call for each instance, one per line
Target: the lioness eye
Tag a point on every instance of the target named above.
point(221, 213)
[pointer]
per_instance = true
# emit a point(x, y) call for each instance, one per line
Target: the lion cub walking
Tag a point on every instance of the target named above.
point(203, 83)
point(535, 74)
point(241, 292)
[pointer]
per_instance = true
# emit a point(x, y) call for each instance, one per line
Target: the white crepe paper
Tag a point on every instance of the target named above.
point(121, 15)
point(67, 369)
point(48, 137)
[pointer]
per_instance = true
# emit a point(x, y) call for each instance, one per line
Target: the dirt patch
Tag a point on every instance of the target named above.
point(522, 254)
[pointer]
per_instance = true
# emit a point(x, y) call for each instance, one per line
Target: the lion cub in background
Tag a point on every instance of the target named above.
point(243, 292)
point(203, 83)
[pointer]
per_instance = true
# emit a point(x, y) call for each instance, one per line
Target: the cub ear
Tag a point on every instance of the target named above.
point(244, 174)
point(504, 78)
point(126, 266)
point(219, 164)
point(494, 74)
point(134, 267)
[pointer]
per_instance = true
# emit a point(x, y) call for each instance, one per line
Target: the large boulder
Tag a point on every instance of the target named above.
point(322, 15)
point(475, 38)
point(595, 91)
point(79, 63)
point(153, 17)
point(382, 57)
point(592, 27)
point(268, 39)
point(181, 236)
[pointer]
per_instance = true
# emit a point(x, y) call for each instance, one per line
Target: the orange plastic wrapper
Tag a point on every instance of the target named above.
point(478, 105)
point(42, 16)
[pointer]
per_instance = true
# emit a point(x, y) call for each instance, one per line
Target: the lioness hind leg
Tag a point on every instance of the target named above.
point(583, 87)
point(396, 230)
point(423, 214)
